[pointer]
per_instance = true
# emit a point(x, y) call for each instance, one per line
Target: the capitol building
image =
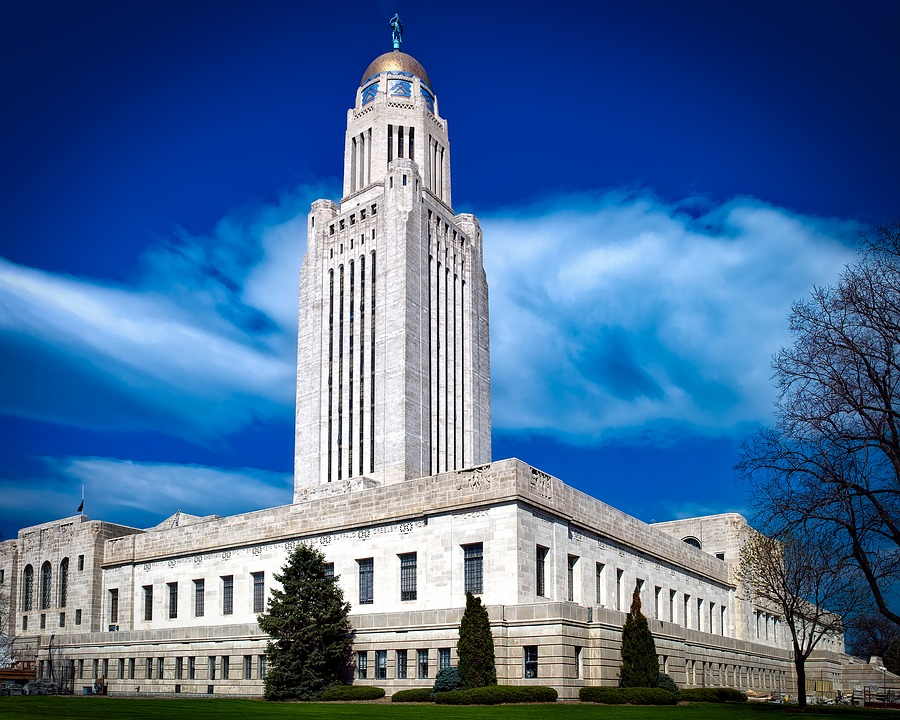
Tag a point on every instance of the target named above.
point(395, 483)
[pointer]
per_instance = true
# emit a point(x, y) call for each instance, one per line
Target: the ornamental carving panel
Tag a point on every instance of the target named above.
point(541, 484)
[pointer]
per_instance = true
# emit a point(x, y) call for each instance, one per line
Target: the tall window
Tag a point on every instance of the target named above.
point(619, 574)
point(422, 664)
point(148, 668)
point(248, 667)
point(199, 597)
point(443, 658)
point(259, 595)
point(173, 600)
point(262, 667)
point(329, 567)
point(179, 668)
point(601, 584)
point(160, 667)
point(473, 564)
point(28, 588)
point(226, 666)
point(148, 602)
point(114, 605)
point(380, 664)
point(211, 667)
point(46, 577)
point(657, 599)
point(671, 606)
point(227, 594)
point(408, 576)
point(362, 664)
point(63, 582)
point(540, 562)
point(570, 578)
point(366, 581)
point(531, 661)
point(401, 664)
point(192, 668)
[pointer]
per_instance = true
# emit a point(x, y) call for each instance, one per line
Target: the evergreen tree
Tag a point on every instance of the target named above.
point(311, 637)
point(476, 646)
point(640, 666)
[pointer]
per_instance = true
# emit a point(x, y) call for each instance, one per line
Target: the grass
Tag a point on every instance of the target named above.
point(94, 708)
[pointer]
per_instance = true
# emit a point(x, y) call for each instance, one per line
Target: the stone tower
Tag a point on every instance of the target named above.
point(393, 363)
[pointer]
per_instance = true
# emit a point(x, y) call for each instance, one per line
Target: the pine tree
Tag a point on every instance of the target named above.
point(640, 666)
point(476, 646)
point(311, 637)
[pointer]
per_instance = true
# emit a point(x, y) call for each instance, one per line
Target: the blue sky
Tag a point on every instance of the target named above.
point(656, 181)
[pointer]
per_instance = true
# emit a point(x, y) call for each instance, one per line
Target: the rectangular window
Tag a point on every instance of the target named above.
point(81, 668)
point(570, 578)
point(121, 668)
point(657, 602)
point(192, 668)
point(443, 658)
point(114, 605)
point(96, 667)
point(43, 621)
point(473, 565)
point(199, 597)
point(131, 664)
point(148, 602)
point(699, 613)
point(686, 611)
point(248, 666)
point(148, 668)
point(173, 600)
point(401, 664)
point(540, 563)
point(81, 562)
point(106, 668)
point(600, 584)
point(380, 664)
point(329, 570)
point(366, 581)
point(226, 667)
point(262, 667)
point(362, 664)
point(619, 574)
point(227, 594)
point(62, 619)
point(422, 664)
point(78, 617)
point(211, 667)
point(408, 576)
point(671, 606)
point(577, 662)
point(179, 668)
point(531, 661)
point(259, 593)
point(160, 667)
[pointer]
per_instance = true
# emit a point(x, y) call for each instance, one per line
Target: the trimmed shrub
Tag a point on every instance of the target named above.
point(414, 695)
point(667, 683)
point(350, 692)
point(498, 694)
point(627, 696)
point(640, 666)
point(447, 680)
point(712, 695)
point(475, 647)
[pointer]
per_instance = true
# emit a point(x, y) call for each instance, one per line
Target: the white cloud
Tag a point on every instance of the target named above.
point(142, 493)
point(621, 313)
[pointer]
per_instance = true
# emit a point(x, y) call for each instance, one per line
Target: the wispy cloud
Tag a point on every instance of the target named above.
point(622, 315)
point(202, 343)
point(142, 493)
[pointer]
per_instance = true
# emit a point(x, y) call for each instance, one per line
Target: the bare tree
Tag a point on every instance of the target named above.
point(832, 456)
point(6, 637)
point(871, 634)
point(799, 577)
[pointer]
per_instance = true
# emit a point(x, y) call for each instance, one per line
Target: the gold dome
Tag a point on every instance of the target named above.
point(395, 61)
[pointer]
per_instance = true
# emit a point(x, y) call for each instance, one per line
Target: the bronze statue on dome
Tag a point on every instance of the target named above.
point(396, 31)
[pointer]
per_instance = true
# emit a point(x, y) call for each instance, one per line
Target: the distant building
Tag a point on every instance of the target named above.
point(394, 483)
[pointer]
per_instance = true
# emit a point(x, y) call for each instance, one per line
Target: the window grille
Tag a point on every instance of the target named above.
point(473, 566)
point(408, 576)
point(366, 581)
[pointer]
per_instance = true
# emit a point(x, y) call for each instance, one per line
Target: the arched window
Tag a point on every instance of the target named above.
point(46, 574)
point(28, 588)
point(692, 541)
point(63, 581)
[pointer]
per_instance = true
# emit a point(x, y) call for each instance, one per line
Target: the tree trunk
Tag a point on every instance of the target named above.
point(800, 668)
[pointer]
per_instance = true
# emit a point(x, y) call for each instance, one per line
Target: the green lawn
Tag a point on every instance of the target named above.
point(94, 708)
